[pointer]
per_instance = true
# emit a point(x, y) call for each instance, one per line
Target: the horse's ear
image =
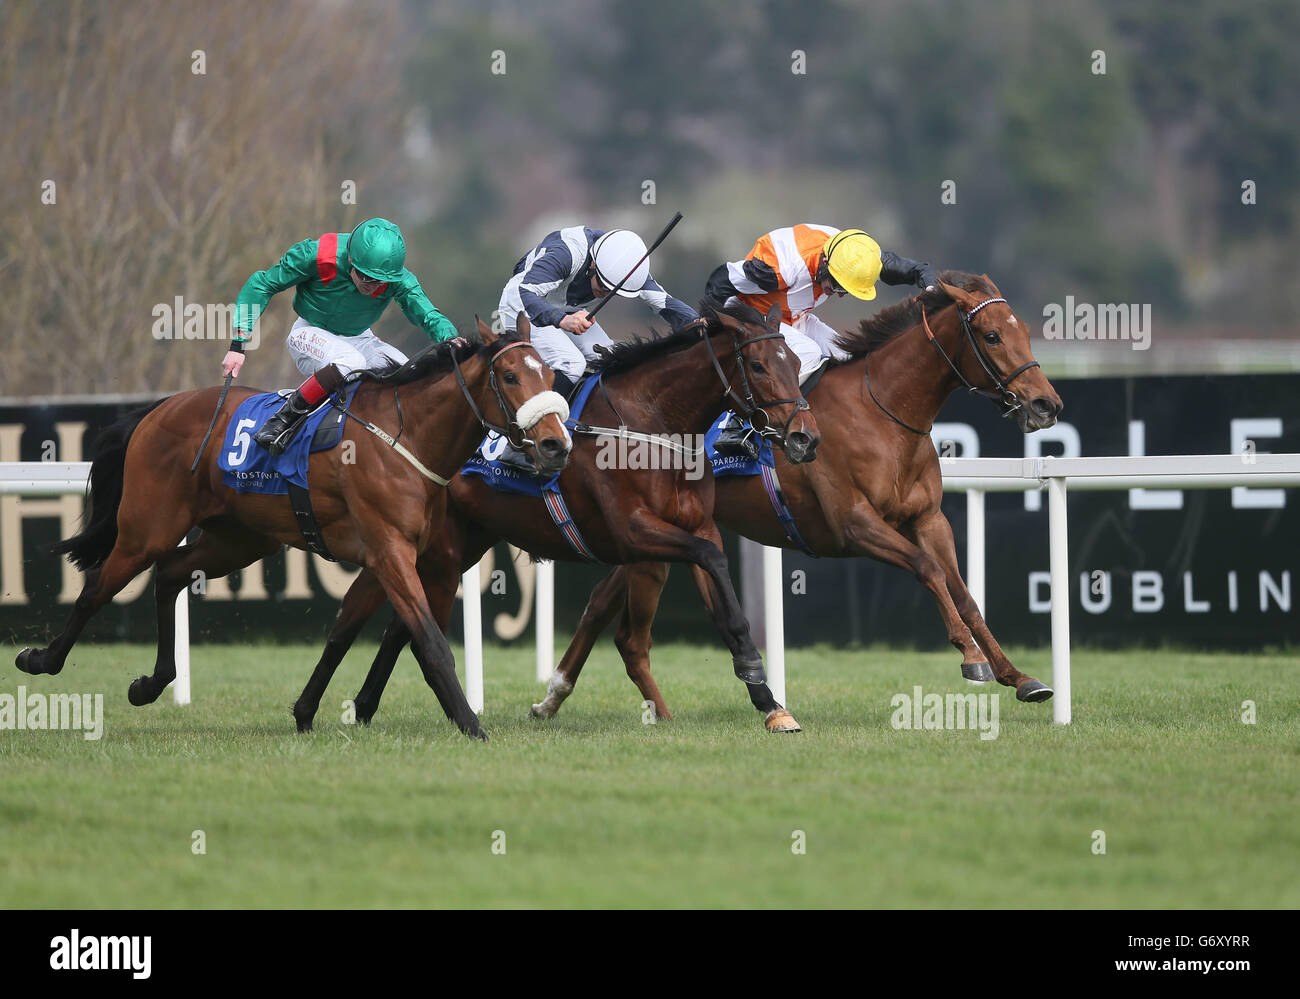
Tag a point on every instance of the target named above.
point(728, 321)
point(485, 331)
point(523, 327)
point(989, 282)
point(773, 319)
point(959, 295)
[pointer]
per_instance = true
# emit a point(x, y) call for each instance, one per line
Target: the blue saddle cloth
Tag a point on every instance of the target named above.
point(249, 468)
point(484, 464)
point(725, 465)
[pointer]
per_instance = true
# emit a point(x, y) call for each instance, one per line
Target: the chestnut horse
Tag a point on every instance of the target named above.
point(378, 510)
point(678, 385)
point(876, 490)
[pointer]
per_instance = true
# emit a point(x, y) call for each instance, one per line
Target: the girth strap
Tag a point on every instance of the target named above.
point(782, 509)
point(300, 500)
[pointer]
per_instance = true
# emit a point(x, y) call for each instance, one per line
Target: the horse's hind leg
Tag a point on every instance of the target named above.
point(934, 535)
point(212, 556)
point(364, 597)
point(606, 600)
point(133, 553)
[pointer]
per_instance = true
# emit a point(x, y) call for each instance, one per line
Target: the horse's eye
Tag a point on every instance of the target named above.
point(756, 367)
point(511, 378)
point(992, 338)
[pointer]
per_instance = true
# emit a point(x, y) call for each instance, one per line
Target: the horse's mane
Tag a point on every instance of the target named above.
point(629, 354)
point(889, 322)
point(437, 359)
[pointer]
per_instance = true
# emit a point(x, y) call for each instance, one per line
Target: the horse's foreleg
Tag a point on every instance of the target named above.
point(867, 533)
point(934, 535)
point(606, 600)
point(645, 585)
point(394, 564)
point(655, 538)
point(396, 636)
point(364, 597)
point(211, 557)
point(440, 580)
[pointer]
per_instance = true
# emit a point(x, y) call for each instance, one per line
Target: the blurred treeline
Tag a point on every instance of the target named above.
point(1122, 186)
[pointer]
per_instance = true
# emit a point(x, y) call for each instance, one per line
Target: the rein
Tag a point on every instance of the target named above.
point(750, 408)
point(1007, 400)
point(514, 432)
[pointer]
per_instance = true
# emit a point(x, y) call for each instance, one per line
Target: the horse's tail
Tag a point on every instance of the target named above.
point(98, 535)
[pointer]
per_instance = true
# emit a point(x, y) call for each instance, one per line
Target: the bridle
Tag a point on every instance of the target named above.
point(748, 407)
point(514, 433)
point(1003, 396)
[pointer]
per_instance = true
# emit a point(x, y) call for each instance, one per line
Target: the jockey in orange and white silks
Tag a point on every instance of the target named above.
point(572, 268)
point(798, 268)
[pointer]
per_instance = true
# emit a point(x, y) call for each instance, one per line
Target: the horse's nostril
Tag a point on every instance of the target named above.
point(1044, 406)
point(551, 447)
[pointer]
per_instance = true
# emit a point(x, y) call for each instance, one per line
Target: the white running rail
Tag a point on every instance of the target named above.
point(974, 476)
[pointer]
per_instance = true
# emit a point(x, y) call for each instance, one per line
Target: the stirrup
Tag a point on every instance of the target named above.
point(278, 432)
point(740, 441)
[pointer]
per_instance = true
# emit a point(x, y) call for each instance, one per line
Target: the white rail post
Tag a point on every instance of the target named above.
point(181, 685)
point(545, 613)
point(774, 622)
point(473, 601)
point(1060, 572)
point(975, 547)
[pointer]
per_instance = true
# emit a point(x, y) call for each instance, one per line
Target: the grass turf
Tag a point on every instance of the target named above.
point(599, 809)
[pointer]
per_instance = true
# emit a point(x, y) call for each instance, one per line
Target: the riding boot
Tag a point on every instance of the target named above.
point(279, 431)
point(737, 439)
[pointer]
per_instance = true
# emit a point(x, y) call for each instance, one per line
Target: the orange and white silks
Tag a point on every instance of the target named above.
point(793, 253)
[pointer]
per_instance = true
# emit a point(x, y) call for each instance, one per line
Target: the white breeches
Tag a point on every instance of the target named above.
point(313, 348)
point(567, 353)
point(811, 340)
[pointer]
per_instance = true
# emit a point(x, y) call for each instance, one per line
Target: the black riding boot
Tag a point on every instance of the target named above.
point(277, 432)
point(280, 429)
point(737, 440)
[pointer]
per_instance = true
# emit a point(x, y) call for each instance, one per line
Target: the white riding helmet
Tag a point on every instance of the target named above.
point(615, 254)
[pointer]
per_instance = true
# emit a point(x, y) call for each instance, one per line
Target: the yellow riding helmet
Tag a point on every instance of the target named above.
point(853, 258)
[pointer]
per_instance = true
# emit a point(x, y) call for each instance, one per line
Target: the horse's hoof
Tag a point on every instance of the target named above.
point(1033, 691)
point(539, 711)
point(24, 661)
point(780, 720)
point(978, 672)
point(480, 735)
point(137, 694)
point(303, 724)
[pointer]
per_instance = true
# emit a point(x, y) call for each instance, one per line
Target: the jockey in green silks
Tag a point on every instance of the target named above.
point(343, 284)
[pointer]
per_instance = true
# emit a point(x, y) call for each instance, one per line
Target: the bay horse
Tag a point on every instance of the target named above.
point(378, 509)
point(877, 489)
point(680, 385)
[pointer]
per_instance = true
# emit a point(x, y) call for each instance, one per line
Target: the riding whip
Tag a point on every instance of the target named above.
point(614, 291)
point(225, 389)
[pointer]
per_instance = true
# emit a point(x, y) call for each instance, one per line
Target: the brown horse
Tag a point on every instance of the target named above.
point(876, 490)
point(378, 510)
point(676, 385)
